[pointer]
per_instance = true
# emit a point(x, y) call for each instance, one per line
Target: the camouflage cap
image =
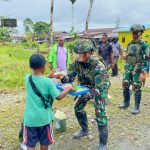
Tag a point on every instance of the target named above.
point(137, 27)
point(84, 46)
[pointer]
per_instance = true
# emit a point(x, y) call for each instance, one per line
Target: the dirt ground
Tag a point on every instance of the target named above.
point(126, 132)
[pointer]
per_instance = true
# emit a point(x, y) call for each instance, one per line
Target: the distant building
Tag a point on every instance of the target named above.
point(64, 34)
point(97, 33)
point(16, 37)
point(125, 35)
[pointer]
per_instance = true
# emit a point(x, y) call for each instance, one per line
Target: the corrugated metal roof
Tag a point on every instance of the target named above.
point(127, 29)
point(97, 31)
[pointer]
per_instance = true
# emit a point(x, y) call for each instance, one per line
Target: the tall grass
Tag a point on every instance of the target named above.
point(13, 66)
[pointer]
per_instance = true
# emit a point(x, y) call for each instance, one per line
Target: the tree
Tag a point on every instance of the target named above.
point(88, 16)
point(117, 22)
point(51, 22)
point(73, 1)
point(28, 25)
point(73, 33)
point(41, 29)
point(4, 36)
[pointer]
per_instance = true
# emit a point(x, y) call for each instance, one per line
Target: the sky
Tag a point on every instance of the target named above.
point(104, 12)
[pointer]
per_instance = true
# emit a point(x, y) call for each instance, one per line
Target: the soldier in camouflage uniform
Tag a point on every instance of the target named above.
point(90, 73)
point(136, 62)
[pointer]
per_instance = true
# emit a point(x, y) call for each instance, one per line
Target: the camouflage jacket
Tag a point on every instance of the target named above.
point(137, 55)
point(91, 74)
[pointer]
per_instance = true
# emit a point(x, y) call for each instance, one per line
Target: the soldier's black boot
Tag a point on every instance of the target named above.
point(126, 101)
point(137, 103)
point(82, 119)
point(115, 71)
point(103, 137)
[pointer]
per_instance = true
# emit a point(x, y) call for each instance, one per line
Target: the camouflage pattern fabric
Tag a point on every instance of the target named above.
point(136, 64)
point(93, 75)
point(84, 46)
point(137, 27)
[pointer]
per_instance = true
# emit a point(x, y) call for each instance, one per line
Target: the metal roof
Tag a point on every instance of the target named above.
point(99, 30)
point(127, 29)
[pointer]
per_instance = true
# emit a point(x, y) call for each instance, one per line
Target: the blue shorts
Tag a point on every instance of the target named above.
point(44, 134)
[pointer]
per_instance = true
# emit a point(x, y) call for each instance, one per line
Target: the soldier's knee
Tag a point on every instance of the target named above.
point(102, 121)
point(125, 84)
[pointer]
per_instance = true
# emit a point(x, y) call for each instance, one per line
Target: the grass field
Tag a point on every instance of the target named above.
point(14, 64)
point(122, 125)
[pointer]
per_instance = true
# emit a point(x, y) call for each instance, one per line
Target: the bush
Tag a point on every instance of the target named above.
point(71, 44)
point(30, 44)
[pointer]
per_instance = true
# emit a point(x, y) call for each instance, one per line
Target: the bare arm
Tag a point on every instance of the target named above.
point(122, 53)
point(65, 92)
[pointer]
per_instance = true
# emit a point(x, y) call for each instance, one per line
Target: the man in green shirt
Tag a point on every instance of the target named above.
point(59, 56)
point(38, 118)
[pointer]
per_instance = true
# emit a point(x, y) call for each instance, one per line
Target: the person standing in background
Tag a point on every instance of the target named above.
point(59, 56)
point(106, 52)
point(117, 49)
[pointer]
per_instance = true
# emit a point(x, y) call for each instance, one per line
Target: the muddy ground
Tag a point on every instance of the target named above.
point(126, 132)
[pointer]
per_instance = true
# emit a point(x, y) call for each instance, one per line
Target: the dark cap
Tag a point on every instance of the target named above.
point(37, 61)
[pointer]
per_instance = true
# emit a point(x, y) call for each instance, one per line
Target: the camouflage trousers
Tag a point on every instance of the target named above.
point(132, 77)
point(100, 111)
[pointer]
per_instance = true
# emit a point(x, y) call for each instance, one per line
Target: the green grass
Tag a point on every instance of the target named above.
point(13, 66)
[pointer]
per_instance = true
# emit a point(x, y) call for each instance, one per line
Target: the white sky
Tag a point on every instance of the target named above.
point(104, 12)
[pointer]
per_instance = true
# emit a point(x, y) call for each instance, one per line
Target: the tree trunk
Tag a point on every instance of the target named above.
point(72, 15)
point(88, 16)
point(51, 22)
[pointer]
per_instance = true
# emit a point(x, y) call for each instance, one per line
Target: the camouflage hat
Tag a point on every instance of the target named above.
point(84, 46)
point(137, 27)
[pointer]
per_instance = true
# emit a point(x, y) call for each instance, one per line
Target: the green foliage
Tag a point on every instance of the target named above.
point(72, 32)
point(28, 25)
point(13, 66)
point(29, 35)
point(121, 64)
point(4, 36)
point(30, 44)
point(71, 44)
point(41, 28)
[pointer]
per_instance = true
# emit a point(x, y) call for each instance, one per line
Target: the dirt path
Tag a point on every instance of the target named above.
point(126, 132)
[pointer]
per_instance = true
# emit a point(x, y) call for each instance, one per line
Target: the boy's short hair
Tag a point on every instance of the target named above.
point(37, 61)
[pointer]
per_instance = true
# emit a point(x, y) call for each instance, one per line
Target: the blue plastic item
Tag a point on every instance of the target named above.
point(77, 93)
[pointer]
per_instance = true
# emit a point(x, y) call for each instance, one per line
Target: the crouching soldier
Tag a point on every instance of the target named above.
point(90, 73)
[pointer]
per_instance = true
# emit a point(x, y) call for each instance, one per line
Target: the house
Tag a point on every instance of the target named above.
point(97, 33)
point(125, 35)
point(64, 34)
point(16, 37)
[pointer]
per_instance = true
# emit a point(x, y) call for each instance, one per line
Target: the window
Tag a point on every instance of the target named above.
point(123, 39)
